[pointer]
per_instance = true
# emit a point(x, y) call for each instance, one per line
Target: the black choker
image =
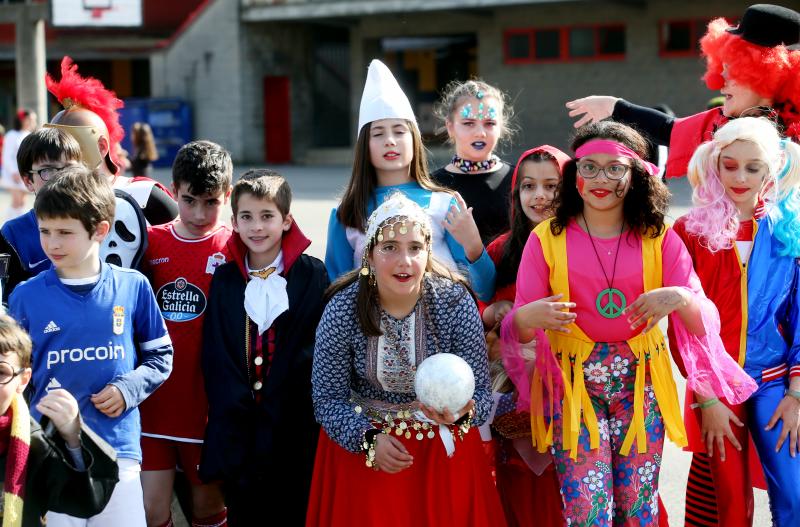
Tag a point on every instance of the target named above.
point(465, 165)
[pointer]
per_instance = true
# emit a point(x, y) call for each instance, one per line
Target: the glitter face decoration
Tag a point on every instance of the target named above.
point(484, 111)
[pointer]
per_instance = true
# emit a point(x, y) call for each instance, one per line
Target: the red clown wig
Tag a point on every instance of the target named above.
point(769, 71)
point(88, 93)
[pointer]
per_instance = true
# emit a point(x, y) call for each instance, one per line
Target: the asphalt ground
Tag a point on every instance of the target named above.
point(316, 190)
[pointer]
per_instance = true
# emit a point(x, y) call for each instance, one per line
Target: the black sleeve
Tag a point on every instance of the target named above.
point(657, 125)
point(160, 208)
point(64, 489)
point(16, 273)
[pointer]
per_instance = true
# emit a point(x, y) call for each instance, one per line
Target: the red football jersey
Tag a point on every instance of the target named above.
point(180, 270)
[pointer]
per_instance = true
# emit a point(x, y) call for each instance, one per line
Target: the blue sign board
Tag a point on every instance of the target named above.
point(170, 119)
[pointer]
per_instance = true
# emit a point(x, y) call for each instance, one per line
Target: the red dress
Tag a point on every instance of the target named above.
point(527, 499)
point(345, 492)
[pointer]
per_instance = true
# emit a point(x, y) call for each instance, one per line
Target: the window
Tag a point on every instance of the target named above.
point(681, 38)
point(581, 42)
point(611, 40)
point(518, 47)
point(564, 44)
point(547, 44)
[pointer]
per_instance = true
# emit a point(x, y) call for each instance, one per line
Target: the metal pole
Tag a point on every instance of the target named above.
point(30, 60)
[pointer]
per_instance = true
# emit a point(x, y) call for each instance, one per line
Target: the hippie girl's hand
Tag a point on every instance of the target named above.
point(716, 426)
point(592, 108)
point(501, 309)
point(788, 411)
point(547, 313)
point(496, 312)
point(391, 455)
point(109, 401)
point(461, 225)
point(62, 409)
point(446, 417)
point(654, 305)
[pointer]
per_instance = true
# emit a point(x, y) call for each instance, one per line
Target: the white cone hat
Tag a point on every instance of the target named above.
point(382, 97)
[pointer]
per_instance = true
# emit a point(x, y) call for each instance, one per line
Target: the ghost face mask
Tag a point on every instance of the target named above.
point(127, 240)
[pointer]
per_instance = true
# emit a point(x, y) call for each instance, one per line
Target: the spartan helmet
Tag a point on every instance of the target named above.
point(127, 240)
point(88, 129)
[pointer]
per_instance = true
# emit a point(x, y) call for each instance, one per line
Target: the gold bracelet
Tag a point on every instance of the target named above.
point(460, 430)
point(368, 446)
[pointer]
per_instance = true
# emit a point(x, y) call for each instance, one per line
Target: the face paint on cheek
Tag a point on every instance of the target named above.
point(623, 185)
point(619, 190)
point(580, 183)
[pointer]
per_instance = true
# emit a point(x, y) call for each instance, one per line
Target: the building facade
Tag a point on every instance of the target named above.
point(281, 80)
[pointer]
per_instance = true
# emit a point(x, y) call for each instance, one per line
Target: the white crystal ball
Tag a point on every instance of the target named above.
point(444, 381)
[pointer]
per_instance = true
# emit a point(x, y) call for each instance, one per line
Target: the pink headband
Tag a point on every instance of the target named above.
point(605, 146)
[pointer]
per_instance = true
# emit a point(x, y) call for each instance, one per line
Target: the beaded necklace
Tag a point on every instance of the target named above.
point(466, 166)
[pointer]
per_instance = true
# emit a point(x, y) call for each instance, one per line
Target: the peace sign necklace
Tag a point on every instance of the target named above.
point(610, 302)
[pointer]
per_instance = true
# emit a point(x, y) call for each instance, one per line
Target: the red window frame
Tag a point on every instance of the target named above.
point(563, 39)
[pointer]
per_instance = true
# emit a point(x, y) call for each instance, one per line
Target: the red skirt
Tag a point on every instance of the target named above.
point(434, 491)
point(529, 499)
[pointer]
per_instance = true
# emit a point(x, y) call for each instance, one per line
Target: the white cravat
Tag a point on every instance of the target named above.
point(265, 296)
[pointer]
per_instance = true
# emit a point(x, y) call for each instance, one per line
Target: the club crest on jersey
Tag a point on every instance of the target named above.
point(214, 261)
point(181, 300)
point(119, 320)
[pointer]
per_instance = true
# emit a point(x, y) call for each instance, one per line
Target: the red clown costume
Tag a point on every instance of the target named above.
point(768, 67)
point(760, 55)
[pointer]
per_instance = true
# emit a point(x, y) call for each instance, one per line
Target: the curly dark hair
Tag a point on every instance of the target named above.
point(647, 200)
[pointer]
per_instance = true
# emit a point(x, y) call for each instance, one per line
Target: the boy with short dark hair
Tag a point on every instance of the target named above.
point(64, 467)
point(40, 156)
point(258, 343)
point(96, 330)
point(180, 261)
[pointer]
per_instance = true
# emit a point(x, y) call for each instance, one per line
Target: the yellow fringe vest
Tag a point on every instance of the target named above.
point(575, 347)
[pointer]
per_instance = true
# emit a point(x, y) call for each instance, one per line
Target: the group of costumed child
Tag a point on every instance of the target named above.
point(573, 266)
point(575, 391)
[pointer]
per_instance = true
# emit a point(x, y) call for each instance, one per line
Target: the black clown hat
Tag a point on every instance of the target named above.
point(769, 25)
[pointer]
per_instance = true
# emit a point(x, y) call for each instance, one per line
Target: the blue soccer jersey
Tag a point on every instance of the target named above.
point(114, 334)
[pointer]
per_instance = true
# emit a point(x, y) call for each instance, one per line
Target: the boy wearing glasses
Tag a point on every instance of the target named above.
point(60, 465)
point(96, 330)
point(40, 156)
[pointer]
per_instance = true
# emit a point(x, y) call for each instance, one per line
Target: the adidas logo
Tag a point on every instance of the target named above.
point(51, 327)
point(52, 385)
